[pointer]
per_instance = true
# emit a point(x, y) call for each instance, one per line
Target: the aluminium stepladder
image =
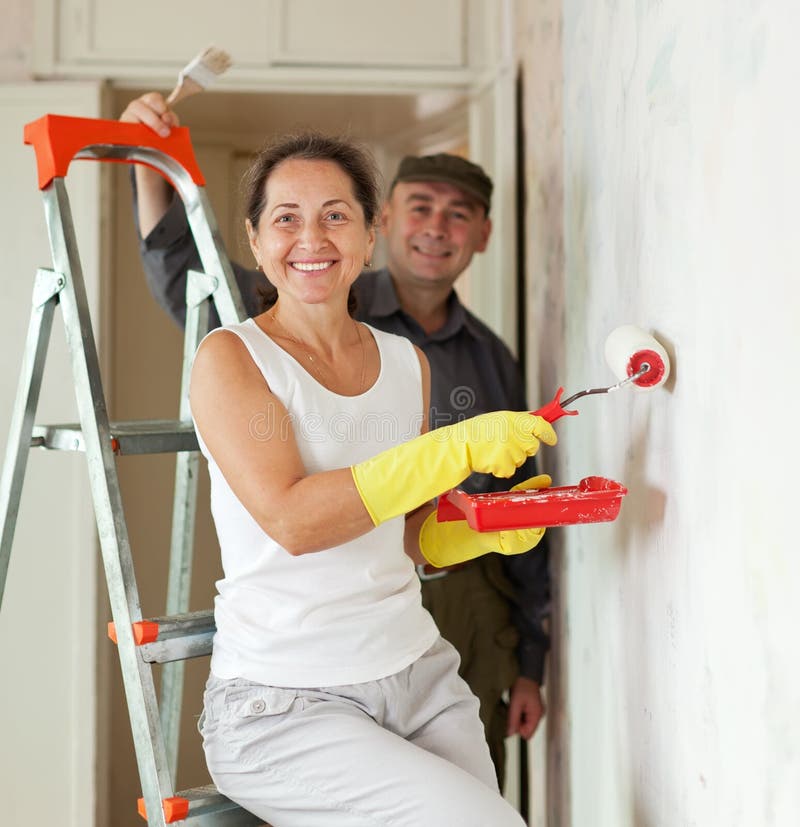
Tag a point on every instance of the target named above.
point(169, 640)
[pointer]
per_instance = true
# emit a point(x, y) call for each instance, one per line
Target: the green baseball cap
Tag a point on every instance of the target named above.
point(450, 169)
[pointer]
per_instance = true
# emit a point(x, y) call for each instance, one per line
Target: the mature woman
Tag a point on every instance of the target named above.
point(332, 698)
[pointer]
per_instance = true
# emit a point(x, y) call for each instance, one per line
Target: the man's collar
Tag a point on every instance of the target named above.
point(384, 297)
point(385, 303)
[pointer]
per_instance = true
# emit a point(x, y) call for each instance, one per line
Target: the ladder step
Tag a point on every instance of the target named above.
point(205, 807)
point(173, 637)
point(157, 436)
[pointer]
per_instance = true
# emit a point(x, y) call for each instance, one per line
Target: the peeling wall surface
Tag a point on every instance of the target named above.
point(680, 620)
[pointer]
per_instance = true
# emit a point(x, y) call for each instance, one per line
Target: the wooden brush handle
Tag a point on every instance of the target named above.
point(184, 89)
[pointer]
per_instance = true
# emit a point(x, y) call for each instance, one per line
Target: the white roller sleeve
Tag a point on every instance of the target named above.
point(628, 347)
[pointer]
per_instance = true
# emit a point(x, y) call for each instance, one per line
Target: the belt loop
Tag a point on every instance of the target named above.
point(425, 576)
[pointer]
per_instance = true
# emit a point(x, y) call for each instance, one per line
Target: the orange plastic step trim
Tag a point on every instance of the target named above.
point(56, 139)
point(175, 809)
point(144, 631)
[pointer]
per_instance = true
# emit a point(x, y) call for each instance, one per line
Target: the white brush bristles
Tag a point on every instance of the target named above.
point(199, 73)
point(206, 67)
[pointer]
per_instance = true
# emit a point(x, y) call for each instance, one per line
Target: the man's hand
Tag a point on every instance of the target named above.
point(525, 708)
point(151, 109)
point(154, 194)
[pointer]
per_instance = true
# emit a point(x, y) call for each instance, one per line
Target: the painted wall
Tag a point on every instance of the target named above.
point(678, 670)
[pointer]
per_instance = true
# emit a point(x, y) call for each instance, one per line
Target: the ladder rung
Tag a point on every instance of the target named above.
point(174, 637)
point(157, 436)
point(181, 637)
point(207, 808)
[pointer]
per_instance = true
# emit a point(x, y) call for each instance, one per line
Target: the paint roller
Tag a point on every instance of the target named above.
point(634, 356)
point(637, 359)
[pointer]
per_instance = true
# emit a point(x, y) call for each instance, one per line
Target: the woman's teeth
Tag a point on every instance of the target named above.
point(311, 266)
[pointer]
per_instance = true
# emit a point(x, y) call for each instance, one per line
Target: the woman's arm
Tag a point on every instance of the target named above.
point(414, 522)
point(247, 430)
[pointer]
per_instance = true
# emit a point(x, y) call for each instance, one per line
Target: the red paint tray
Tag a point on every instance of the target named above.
point(592, 500)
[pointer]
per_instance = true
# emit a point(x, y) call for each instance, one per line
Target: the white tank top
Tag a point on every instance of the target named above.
point(348, 614)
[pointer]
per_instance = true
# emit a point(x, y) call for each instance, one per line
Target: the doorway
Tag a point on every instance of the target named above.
point(146, 349)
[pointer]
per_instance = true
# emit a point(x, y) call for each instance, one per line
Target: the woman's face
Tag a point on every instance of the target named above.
point(311, 239)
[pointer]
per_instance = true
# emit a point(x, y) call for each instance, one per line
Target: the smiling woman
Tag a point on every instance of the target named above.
point(317, 534)
point(312, 234)
point(353, 188)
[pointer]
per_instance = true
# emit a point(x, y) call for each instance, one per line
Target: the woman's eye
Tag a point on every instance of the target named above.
point(336, 216)
point(284, 219)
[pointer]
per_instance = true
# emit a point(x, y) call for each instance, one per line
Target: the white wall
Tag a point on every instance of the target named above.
point(48, 622)
point(680, 184)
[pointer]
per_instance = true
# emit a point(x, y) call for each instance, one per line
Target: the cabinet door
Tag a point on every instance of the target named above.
point(152, 31)
point(414, 33)
point(271, 41)
point(48, 622)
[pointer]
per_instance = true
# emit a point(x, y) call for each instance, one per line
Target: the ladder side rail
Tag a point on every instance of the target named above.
point(199, 288)
point(215, 261)
point(219, 282)
point(45, 297)
point(226, 295)
point(104, 483)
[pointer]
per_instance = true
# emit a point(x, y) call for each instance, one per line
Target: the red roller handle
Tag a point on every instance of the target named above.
point(454, 504)
point(57, 139)
point(553, 410)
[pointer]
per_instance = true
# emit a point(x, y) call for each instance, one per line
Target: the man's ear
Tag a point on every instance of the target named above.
point(485, 234)
point(371, 236)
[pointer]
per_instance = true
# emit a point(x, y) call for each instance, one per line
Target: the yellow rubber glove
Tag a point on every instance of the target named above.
point(403, 478)
point(445, 544)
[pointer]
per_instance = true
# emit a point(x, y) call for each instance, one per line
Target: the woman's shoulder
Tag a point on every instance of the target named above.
point(232, 337)
point(223, 344)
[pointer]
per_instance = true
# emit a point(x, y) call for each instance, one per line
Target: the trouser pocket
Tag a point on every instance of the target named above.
point(250, 715)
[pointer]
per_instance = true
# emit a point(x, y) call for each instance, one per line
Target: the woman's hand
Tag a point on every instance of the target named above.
point(401, 479)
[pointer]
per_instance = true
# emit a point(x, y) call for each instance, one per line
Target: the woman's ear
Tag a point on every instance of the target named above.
point(252, 238)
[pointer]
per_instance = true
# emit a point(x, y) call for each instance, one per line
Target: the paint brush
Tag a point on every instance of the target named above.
point(199, 73)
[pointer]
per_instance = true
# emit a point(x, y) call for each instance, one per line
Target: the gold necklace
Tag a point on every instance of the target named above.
point(317, 365)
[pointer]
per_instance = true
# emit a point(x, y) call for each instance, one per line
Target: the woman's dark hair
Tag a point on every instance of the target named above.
point(354, 160)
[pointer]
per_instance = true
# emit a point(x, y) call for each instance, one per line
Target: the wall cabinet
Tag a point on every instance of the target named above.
point(274, 43)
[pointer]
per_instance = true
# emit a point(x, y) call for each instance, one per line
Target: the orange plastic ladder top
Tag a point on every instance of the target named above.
point(56, 139)
point(144, 631)
point(175, 809)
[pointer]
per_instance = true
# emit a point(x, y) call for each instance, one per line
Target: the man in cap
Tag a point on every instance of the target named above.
point(435, 219)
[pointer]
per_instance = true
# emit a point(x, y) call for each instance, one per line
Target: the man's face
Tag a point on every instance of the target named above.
point(432, 231)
